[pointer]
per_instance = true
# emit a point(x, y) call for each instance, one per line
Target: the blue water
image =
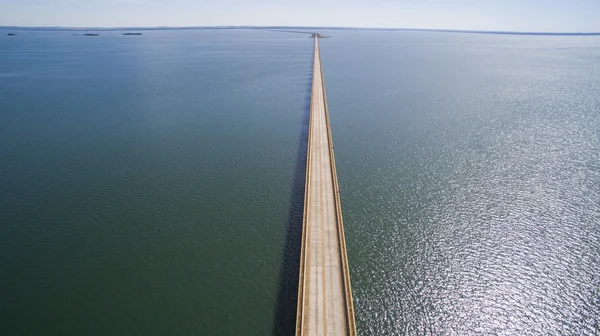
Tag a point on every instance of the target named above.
point(153, 184)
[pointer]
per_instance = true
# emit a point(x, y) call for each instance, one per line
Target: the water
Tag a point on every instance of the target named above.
point(146, 181)
point(153, 184)
point(471, 181)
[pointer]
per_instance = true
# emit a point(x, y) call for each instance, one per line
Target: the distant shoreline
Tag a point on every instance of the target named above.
point(288, 28)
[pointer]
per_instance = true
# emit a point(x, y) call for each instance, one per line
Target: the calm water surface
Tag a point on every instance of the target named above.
point(146, 181)
point(153, 184)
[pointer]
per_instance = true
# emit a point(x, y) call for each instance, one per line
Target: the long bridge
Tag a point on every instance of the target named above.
point(325, 304)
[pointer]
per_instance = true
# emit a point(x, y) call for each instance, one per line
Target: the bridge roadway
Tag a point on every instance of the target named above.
point(324, 296)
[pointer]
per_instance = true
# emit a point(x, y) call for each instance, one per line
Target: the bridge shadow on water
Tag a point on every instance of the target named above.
point(287, 294)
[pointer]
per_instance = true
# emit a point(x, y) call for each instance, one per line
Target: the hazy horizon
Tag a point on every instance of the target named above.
point(109, 28)
point(578, 16)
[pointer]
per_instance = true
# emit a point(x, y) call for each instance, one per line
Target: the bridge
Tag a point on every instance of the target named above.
point(325, 304)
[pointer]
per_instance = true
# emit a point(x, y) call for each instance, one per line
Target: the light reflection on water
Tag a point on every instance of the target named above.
point(470, 181)
point(149, 183)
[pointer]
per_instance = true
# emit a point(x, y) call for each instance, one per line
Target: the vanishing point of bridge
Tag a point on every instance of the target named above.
point(324, 295)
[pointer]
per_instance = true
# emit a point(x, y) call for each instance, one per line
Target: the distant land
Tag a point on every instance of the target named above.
point(295, 29)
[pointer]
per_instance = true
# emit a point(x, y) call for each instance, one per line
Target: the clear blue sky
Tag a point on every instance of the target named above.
point(512, 15)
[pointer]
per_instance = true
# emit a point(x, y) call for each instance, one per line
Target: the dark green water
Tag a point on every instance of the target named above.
point(152, 184)
point(146, 181)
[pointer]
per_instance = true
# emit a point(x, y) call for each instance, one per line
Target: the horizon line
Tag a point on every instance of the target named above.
point(442, 30)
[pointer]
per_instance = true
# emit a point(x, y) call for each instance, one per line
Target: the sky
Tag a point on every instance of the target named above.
point(495, 15)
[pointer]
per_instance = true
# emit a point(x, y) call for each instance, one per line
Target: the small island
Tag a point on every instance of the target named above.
point(11, 34)
point(318, 35)
point(88, 34)
point(133, 34)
